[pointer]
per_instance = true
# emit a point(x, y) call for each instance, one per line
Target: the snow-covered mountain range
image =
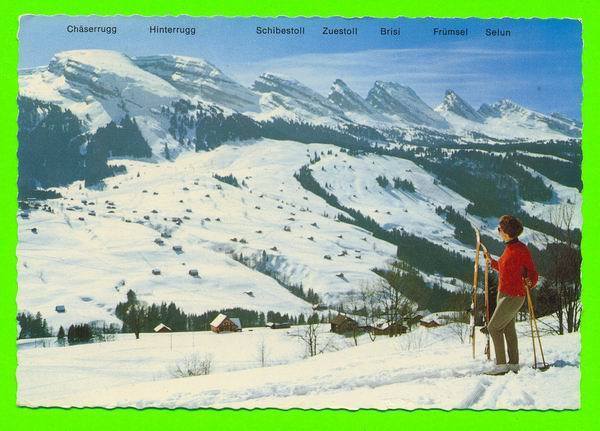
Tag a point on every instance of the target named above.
point(99, 86)
point(305, 185)
point(505, 118)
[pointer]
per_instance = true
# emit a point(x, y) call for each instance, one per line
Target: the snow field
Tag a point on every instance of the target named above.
point(44, 374)
point(427, 368)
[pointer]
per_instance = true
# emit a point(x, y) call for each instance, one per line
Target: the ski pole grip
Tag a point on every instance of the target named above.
point(526, 279)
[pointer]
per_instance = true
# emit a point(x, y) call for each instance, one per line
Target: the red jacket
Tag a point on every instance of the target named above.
point(513, 265)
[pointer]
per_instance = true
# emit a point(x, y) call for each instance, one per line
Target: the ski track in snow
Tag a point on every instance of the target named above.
point(426, 368)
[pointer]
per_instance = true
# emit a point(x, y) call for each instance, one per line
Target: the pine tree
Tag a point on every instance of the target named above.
point(131, 297)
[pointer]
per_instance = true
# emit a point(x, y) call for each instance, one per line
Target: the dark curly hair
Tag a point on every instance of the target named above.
point(511, 225)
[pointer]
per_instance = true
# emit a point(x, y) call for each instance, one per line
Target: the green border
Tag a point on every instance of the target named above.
point(151, 419)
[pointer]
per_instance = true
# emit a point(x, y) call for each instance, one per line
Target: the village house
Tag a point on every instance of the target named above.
point(430, 323)
point(439, 319)
point(341, 324)
point(161, 327)
point(222, 323)
point(418, 316)
point(383, 327)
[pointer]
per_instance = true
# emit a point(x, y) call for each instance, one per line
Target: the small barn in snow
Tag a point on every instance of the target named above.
point(161, 327)
point(223, 323)
point(280, 325)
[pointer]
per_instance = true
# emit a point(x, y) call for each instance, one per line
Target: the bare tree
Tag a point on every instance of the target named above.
point(560, 292)
point(458, 324)
point(368, 299)
point(395, 308)
point(363, 303)
point(458, 318)
point(262, 353)
point(310, 336)
point(413, 340)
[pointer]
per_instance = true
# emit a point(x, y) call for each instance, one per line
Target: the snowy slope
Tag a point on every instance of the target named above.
point(565, 119)
point(118, 243)
point(506, 111)
point(101, 85)
point(567, 200)
point(88, 265)
point(41, 370)
point(426, 368)
point(353, 181)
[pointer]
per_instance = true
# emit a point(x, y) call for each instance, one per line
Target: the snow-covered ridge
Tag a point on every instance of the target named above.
point(454, 103)
point(300, 101)
point(507, 109)
point(100, 85)
point(198, 78)
point(505, 119)
point(347, 99)
point(112, 74)
point(402, 101)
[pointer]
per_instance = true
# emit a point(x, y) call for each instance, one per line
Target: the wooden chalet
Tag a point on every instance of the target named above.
point(418, 316)
point(383, 327)
point(341, 324)
point(430, 323)
point(222, 323)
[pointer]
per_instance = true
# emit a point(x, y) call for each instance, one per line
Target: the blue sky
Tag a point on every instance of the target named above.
point(539, 66)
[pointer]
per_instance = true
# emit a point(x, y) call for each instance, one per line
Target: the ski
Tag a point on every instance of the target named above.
point(474, 293)
point(486, 293)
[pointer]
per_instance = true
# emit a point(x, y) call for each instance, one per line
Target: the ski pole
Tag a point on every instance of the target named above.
point(534, 324)
point(529, 309)
point(534, 319)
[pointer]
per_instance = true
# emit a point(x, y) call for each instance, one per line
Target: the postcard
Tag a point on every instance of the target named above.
point(299, 213)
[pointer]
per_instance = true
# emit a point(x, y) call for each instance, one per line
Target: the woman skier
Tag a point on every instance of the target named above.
point(515, 268)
